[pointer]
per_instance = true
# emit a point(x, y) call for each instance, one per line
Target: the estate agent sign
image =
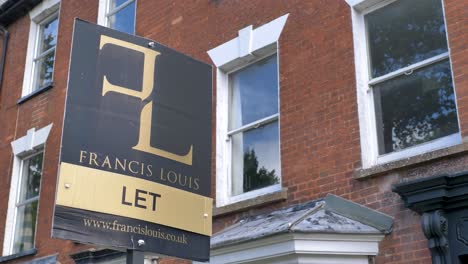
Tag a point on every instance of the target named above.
point(136, 146)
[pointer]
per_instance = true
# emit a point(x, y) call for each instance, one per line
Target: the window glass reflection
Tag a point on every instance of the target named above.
point(49, 35)
point(403, 33)
point(124, 20)
point(415, 109)
point(254, 92)
point(30, 178)
point(45, 70)
point(255, 159)
point(25, 229)
point(116, 3)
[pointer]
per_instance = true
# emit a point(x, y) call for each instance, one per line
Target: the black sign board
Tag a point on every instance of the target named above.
point(136, 147)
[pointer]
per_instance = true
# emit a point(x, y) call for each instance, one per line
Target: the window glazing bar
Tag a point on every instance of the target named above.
point(30, 200)
point(409, 69)
point(45, 53)
point(254, 124)
point(120, 7)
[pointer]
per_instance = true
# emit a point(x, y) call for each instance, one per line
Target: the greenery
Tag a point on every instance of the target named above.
point(255, 178)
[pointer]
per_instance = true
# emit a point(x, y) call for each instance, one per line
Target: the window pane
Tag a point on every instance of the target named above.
point(25, 229)
point(403, 33)
point(45, 70)
point(116, 3)
point(415, 109)
point(31, 178)
point(255, 159)
point(124, 20)
point(254, 92)
point(48, 35)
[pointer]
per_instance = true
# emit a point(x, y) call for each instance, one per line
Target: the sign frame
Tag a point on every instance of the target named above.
point(155, 184)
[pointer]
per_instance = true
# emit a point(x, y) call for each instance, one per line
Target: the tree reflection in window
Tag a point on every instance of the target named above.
point(417, 108)
point(254, 177)
point(419, 105)
point(254, 126)
point(404, 33)
point(27, 202)
point(45, 58)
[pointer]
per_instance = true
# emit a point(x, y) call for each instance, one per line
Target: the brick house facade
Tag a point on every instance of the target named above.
point(321, 138)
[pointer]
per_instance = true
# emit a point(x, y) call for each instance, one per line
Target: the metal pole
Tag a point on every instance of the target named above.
point(135, 256)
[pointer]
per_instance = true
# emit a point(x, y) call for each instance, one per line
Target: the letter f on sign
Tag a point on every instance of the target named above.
point(147, 111)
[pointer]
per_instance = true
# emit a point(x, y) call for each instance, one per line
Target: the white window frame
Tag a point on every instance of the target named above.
point(367, 120)
point(42, 13)
point(104, 12)
point(23, 148)
point(250, 127)
point(249, 47)
point(24, 203)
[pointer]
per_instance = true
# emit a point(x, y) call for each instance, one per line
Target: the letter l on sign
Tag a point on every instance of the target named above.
point(146, 113)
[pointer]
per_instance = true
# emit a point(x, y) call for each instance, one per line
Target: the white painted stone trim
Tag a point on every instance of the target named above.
point(301, 248)
point(367, 125)
point(41, 12)
point(250, 46)
point(361, 5)
point(32, 142)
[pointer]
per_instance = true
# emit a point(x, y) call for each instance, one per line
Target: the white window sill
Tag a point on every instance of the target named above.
point(380, 169)
point(36, 92)
point(247, 204)
point(25, 253)
point(429, 146)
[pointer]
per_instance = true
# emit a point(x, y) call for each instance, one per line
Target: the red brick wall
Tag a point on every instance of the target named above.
point(320, 144)
point(10, 92)
point(38, 112)
point(456, 13)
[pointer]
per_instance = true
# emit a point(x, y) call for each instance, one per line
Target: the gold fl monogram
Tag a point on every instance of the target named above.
point(146, 113)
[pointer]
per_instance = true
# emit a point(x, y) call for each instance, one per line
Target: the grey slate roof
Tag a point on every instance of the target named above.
point(328, 215)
